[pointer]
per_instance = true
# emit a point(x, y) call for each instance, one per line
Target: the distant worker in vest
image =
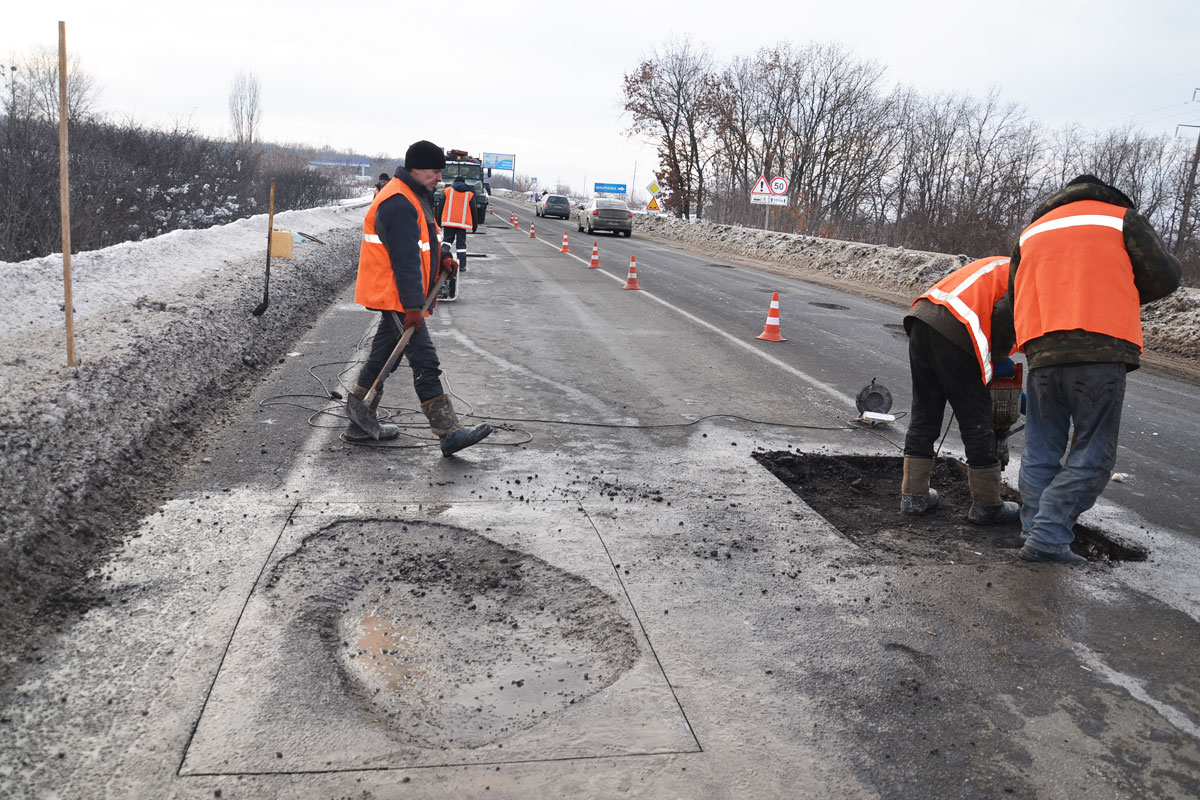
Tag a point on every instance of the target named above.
point(959, 338)
point(382, 182)
point(1079, 274)
point(457, 217)
point(398, 263)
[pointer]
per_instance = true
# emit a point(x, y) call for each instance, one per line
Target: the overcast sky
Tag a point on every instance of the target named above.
point(543, 80)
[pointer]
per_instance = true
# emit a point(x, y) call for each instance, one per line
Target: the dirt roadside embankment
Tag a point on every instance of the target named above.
point(87, 448)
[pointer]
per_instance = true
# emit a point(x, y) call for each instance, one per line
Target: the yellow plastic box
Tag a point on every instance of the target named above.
point(281, 244)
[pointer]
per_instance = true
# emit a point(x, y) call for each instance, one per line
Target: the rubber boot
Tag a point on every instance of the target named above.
point(444, 423)
point(915, 495)
point(986, 506)
point(354, 433)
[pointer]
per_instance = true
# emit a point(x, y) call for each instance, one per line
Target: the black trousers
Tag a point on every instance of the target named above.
point(419, 353)
point(457, 239)
point(944, 373)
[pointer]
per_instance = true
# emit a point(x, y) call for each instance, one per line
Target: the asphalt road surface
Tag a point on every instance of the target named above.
point(609, 597)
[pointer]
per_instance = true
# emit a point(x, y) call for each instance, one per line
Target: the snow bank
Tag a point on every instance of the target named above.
point(164, 335)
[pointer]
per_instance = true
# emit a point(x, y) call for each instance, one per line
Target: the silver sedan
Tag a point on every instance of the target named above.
point(606, 214)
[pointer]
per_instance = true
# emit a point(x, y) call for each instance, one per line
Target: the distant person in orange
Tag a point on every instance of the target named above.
point(457, 217)
point(1079, 274)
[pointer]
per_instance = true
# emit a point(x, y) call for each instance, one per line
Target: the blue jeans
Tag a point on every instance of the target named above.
point(1053, 494)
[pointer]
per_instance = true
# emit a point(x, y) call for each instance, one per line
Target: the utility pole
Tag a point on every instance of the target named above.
point(1188, 190)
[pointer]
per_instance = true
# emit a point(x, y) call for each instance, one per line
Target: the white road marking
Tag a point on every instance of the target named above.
point(816, 383)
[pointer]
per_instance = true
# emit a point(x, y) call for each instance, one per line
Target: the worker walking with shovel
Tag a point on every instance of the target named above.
point(401, 265)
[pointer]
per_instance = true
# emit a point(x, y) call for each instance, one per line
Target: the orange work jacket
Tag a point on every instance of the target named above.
point(1076, 273)
point(376, 284)
point(456, 210)
point(969, 293)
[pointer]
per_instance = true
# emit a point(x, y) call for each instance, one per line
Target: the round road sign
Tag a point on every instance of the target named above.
point(779, 185)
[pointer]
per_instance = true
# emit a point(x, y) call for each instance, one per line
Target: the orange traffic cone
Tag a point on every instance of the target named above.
point(595, 257)
point(771, 329)
point(565, 248)
point(490, 210)
point(631, 281)
point(531, 236)
point(516, 221)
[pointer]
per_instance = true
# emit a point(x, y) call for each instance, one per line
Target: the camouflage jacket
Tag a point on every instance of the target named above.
point(1156, 273)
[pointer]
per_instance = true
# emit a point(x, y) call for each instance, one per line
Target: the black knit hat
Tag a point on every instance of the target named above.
point(424, 155)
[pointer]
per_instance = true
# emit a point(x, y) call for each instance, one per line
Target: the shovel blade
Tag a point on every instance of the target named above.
point(362, 416)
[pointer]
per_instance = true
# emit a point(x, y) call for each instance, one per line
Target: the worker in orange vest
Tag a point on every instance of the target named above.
point(457, 217)
point(1079, 273)
point(399, 258)
point(959, 337)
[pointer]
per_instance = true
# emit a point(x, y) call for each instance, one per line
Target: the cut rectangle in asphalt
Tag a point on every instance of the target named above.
point(401, 636)
point(859, 495)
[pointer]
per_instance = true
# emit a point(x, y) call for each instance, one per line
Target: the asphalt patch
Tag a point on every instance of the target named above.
point(860, 497)
point(445, 637)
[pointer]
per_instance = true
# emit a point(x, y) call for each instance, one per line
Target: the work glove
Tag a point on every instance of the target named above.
point(414, 319)
point(449, 266)
point(1004, 369)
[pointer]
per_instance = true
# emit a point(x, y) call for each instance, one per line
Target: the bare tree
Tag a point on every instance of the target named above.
point(669, 96)
point(33, 91)
point(245, 107)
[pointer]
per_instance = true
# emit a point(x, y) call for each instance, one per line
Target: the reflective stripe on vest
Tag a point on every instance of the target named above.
point(376, 283)
point(1071, 222)
point(1075, 274)
point(456, 210)
point(969, 293)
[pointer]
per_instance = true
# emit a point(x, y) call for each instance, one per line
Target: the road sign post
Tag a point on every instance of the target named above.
point(769, 194)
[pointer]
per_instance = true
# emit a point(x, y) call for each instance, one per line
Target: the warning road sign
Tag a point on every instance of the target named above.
point(761, 187)
point(653, 205)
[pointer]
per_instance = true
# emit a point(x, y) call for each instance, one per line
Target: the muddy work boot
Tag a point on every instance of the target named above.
point(354, 433)
point(915, 495)
point(986, 506)
point(1030, 553)
point(444, 423)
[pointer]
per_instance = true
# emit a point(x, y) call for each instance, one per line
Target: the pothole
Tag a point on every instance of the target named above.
point(860, 496)
point(830, 306)
point(722, 266)
point(444, 637)
point(896, 330)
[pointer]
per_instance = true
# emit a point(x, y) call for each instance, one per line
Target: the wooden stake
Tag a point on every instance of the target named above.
point(64, 194)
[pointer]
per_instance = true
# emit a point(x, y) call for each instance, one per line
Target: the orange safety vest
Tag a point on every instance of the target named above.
point(969, 293)
point(456, 210)
point(376, 284)
point(1076, 273)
